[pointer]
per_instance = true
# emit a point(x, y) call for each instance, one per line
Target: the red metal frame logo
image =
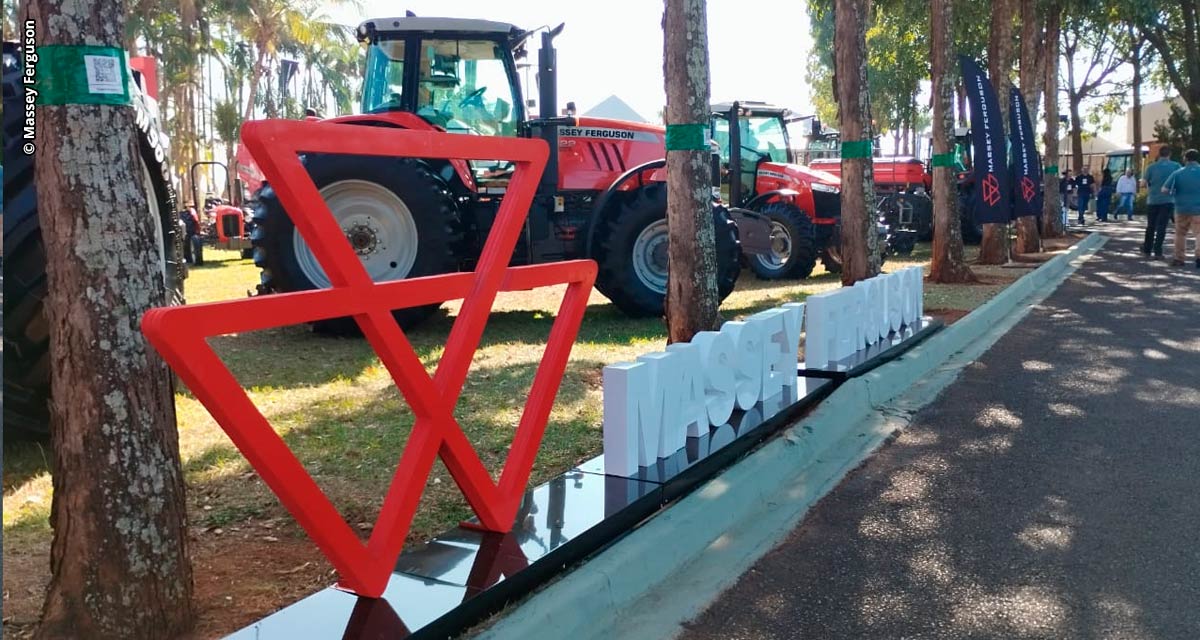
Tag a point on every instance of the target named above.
point(1028, 190)
point(991, 189)
point(179, 334)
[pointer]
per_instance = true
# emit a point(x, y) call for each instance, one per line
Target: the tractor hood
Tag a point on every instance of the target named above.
point(790, 176)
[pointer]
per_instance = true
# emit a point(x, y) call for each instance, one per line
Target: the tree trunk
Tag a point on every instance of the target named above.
point(947, 264)
point(994, 248)
point(1136, 59)
point(692, 304)
point(1028, 238)
point(860, 241)
point(255, 75)
point(1052, 226)
point(118, 559)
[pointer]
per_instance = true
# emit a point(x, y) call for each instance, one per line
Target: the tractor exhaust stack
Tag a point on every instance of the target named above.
point(548, 74)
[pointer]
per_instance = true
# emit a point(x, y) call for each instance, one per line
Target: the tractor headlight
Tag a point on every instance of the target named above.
point(827, 188)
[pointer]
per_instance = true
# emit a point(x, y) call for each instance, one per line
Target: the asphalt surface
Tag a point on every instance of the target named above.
point(1052, 491)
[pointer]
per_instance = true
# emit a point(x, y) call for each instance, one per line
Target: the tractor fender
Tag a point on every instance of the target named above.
point(762, 198)
point(606, 197)
point(393, 120)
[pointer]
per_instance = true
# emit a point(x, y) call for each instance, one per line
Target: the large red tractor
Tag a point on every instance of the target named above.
point(602, 196)
point(802, 205)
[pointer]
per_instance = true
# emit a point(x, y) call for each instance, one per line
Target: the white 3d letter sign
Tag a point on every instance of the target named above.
point(653, 405)
point(840, 323)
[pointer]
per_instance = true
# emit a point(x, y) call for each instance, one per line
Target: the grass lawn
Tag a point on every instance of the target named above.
point(338, 409)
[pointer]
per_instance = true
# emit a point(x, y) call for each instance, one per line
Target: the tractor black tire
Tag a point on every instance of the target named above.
point(27, 389)
point(829, 239)
point(426, 196)
point(802, 238)
point(617, 237)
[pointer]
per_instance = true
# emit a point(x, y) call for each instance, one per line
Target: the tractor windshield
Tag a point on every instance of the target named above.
point(464, 86)
point(765, 135)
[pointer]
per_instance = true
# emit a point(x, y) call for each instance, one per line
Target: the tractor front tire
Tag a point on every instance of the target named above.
point(397, 214)
point(793, 244)
point(27, 391)
point(632, 253)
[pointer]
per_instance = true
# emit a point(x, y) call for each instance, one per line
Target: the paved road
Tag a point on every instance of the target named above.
point(1053, 491)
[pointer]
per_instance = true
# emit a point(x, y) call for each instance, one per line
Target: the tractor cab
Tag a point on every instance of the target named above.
point(458, 75)
point(755, 147)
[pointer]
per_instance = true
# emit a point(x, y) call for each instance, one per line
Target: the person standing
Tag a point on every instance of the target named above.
point(1104, 197)
point(1126, 190)
point(1064, 189)
point(1184, 184)
point(1159, 205)
point(1083, 192)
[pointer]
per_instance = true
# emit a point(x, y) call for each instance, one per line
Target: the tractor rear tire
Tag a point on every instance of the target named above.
point(829, 238)
point(426, 210)
point(793, 235)
point(27, 389)
point(636, 227)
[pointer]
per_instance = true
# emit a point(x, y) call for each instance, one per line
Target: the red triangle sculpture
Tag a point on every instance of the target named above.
point(179, 334)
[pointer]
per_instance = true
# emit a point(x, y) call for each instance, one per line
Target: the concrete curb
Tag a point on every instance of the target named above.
point(668, 570)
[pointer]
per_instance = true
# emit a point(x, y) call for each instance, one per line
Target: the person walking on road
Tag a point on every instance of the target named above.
point(1083, 191)
point(1184, 184)
point(1104, 198)
point(1159, 205)
point(1126, 190)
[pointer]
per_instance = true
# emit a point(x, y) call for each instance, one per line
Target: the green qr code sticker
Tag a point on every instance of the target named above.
point(104, 74)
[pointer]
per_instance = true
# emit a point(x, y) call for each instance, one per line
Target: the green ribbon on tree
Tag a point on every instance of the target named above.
point(857, 149)
point(687, 137)
point(82, 74)
point(1051, 170)
point(943, 160)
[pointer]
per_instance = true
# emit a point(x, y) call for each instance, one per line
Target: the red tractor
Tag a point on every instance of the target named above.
point(801, 204)
point(224, 224)
point(603, 194)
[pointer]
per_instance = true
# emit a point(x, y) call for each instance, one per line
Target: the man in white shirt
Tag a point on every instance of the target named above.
point(1126, 189)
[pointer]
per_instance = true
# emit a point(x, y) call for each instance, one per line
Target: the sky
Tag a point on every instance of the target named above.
point(757, 48)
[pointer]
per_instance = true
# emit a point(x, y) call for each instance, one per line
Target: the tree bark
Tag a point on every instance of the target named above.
point(1028, 238)
point(1136, 59)
point(947, 264)
point(118, 559)
point(860, 241)
point(994, 247)
point(691, 304)
point(1052, 226)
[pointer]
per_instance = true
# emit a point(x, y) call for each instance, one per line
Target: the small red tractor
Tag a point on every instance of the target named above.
point(222, 224)
point(802, 204)
point(602, 196)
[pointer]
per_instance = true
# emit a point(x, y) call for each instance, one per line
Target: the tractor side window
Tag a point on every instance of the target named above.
point(384, 82)
point(720, 133)
point(466, 86)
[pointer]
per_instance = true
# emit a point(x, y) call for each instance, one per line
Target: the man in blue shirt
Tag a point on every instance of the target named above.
point(1184, 184)
point(1159, 204)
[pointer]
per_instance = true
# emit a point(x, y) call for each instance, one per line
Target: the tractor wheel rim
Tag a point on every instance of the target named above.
point(377, 223)
point(650, 256)
point(781, 248)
